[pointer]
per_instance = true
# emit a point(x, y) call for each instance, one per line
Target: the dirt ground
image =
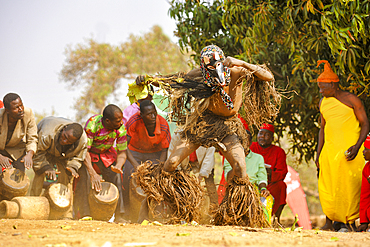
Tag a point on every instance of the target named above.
point(16, 232)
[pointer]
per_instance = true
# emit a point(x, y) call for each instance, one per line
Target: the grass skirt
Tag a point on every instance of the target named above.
point(209, 129)
point(180, 191)
point(241, 206)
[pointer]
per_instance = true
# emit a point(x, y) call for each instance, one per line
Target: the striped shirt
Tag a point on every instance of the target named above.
point(100, 140)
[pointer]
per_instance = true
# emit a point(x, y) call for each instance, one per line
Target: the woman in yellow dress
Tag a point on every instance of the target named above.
point(344, 126)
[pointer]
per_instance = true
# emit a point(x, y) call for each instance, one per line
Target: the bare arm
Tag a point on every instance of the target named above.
point(264, 192)
point(260, 72)
point(95, 178)
point(130, 157)
point(163, 156)
point(141, 80)
point(360, 113)
point(321, 140)
point(121, 159)
point(27, 159)
point(5, 162)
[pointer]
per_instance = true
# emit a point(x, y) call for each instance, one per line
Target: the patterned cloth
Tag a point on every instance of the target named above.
point(206, 54)
point(100, 140)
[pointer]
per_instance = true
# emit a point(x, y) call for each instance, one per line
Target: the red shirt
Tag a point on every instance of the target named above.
point(365, 195)
point(276, 157)
point(141, 141)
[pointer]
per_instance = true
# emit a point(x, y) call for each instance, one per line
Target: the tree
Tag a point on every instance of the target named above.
point(99, 67)
point(289, 37)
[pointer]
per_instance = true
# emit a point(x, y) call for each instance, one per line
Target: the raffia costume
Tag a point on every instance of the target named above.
point(190, 95)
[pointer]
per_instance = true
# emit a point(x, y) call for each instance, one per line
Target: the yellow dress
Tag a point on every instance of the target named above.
point(339, 179)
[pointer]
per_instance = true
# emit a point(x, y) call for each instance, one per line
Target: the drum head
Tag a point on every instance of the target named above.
point(59, 196)
point(109, 193)
point(14, 182)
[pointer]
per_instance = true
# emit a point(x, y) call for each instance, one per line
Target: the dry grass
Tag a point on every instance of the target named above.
point(261, 100)
point(181, 191)
point(241, 206)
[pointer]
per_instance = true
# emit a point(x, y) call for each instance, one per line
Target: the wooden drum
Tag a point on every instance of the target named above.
point(60, 199)
point(137, 195)
point(103, 203)
point(13, 183)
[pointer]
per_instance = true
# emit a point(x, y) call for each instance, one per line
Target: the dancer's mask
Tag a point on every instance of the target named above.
point(215, 74)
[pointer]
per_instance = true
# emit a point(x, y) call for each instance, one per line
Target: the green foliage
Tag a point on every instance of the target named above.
point(99, 67)
point(289, 37)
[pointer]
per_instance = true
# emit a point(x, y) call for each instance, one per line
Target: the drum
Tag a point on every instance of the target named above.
point(60, 199)
point(8, 209)
point(13, 183)
point(25, 207)
point(103, 203)
point(136, 195)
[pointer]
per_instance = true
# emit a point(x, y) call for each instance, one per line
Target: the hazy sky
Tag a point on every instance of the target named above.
point(35, 33)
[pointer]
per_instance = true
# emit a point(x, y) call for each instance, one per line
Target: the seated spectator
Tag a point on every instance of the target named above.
point(63, 144)
point(365, 190)
point(275, 163)
point(148, 138)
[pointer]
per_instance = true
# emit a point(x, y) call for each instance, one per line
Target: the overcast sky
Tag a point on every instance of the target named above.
point(35, 33)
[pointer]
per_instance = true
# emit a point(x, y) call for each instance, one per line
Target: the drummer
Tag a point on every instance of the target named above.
point(18, 134)
point(107, 145)
point(62, 144)
point(148, 138)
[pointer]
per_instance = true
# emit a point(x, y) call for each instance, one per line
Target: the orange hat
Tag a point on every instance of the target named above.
point(328, 75)
point(367, 142)
point(267, 126)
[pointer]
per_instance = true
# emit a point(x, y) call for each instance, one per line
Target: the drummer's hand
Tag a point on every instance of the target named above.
point(140, 79)
point(116, 169)
point(51, 174)
point(96, 180)
point(73, 171)
point(5, 162)
point(27, 160)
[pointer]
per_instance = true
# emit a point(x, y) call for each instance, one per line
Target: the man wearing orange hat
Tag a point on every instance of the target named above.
point(365, 190)
point(275, 163)
point(344, 126)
